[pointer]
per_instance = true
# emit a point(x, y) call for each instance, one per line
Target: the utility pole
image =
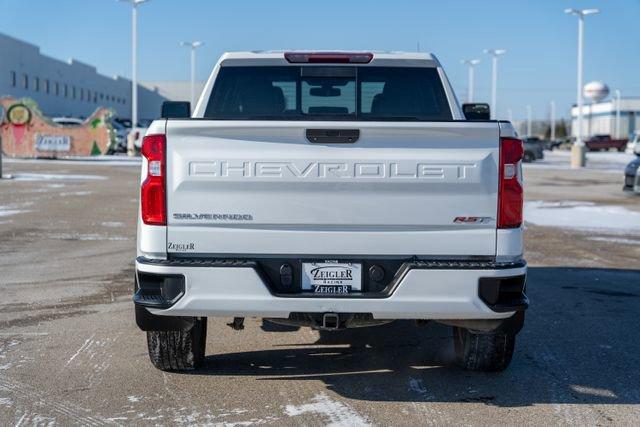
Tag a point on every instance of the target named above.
point(510, 115)
point(193, 46)
point(528, 120)
point(471, 63)
point(552, 114)
point(578, 156)
point(617, 92)
point(494, 77)
point(134, 59)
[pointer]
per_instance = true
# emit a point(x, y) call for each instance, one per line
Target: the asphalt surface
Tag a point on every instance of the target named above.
point(70, 352)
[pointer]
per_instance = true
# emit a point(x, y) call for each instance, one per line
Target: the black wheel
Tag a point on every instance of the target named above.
point(528, 157)
point(621, 149)
point(488, 352)
point(178, 350)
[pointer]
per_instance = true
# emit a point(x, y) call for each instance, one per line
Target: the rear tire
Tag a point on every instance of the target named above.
point(178, 350)
point(485, 352)
point(528, 157)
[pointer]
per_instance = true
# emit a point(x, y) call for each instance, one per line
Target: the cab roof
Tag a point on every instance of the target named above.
point(380, 58)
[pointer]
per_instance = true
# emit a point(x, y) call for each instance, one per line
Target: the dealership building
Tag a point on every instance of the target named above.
point(599, 118)
point(68, 88)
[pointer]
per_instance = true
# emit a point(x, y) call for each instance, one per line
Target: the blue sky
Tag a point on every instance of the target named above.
point(541, 40)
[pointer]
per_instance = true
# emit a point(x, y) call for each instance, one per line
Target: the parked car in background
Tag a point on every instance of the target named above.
point(631, 176)
point(134, 140)
point(121, 128)
point(67, 121)
point(551, 145)
point(605, 142)
point(633, 146)
point(533, 149)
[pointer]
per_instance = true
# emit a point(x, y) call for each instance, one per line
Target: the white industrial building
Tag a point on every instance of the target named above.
point(599, 118)
point(70, 88)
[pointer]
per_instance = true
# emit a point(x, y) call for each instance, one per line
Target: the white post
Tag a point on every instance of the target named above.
point(510, 114)
point(552, 114)
point(134, 59)
point(617, 113)
point(193, 46)
point(471, 63)
point(528, 120)
point(578, 157)
point(134, 64)
point(494, 77)
point(494, 83)
point(579, 87)
point(470, 94)
point(193, 76)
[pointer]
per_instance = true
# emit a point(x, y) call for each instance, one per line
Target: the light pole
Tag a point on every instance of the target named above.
point(471, 63)
point(617, 92)
point(510, 115)
point(578, 157)
point(134, 59)
point(494, 76)
point(528, 120)
point(193, 46)
point(552, 114)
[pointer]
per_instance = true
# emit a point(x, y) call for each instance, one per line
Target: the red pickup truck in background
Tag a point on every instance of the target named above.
point(604, 142)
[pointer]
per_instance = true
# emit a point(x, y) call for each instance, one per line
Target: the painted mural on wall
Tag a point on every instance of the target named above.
point(26, 132)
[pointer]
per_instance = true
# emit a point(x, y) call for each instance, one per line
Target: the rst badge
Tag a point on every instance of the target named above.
point(332, 277)
point(472, 220)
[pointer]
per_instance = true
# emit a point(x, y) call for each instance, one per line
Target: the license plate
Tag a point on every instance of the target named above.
point(331, 277)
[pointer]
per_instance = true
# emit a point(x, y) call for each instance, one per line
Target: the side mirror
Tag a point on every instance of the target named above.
point(476, 111)
point(176, 110)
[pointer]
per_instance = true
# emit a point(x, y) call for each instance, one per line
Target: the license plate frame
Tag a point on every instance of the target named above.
point(330, 277)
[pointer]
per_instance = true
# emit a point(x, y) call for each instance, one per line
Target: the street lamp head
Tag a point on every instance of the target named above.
point(192, 45)
point(470, 62)
point(581, 12)
point(495, 52)
point(134, 2)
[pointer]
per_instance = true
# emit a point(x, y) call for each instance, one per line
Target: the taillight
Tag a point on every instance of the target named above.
point(152, 192)
point(510, 192)
point(328, 57)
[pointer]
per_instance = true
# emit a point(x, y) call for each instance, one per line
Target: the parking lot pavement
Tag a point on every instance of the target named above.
point(70, 351)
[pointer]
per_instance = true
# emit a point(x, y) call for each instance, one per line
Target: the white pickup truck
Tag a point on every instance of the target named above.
point(330, 190)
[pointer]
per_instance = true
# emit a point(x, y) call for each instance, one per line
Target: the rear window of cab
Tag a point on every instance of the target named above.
point(328, 93)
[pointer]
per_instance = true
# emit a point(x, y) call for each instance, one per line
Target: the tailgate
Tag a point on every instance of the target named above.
point(261, 188)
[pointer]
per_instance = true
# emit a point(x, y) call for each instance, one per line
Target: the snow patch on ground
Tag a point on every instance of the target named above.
point(5, 401)
point(85, 237)
point(336, 413)
point(55, 177)
point(93, 160)
point(133, 399)
point(112, 224)
point(582, 216)
point(619, 240)
point(8, 212)
point(5, 346)
point(76, 193)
